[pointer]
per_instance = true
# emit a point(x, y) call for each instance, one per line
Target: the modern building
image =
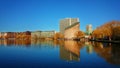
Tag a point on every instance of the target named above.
point(89, 29)
point(64, 23)
point(71, 31)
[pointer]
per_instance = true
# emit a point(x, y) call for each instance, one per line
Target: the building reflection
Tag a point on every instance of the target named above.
point(89, 47)
point(70, 51)
point(110, 52)
point(43, 43)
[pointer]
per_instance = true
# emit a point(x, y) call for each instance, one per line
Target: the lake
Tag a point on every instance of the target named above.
point(58, 54)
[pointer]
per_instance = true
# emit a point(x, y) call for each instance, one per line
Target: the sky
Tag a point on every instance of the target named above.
point(33, 15)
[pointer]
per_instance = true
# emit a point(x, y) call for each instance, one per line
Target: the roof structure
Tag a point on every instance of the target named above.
point(72, 25)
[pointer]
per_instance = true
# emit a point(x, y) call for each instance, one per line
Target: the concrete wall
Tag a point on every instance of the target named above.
point(64, 23)
point(70, 33)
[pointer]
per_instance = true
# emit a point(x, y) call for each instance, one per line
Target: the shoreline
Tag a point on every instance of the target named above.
point(106, 41)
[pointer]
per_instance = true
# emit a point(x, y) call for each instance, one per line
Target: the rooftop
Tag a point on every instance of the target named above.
point(72, 25)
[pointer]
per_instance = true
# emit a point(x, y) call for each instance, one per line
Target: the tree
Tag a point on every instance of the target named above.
point(107, 30)
point(80, 34)
point(58, 36)
point(116, 33)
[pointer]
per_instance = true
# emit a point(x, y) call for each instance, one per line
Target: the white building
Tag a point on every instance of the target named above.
point(89, 29)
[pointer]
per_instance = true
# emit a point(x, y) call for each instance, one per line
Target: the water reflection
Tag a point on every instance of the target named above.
point(29, 43)
point(71, 50)
point(15, 42)
point(110, 52)
point(89, 47)
point(115, 58)
point(42, 42)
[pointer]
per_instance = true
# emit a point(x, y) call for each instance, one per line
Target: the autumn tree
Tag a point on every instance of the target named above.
point(80, 34)
point(116, 33)
point(58, 36)
point(107, 30)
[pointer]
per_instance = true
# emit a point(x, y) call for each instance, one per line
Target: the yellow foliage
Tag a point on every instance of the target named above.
point(109, 29)
point(80, 34)
point(58, 36)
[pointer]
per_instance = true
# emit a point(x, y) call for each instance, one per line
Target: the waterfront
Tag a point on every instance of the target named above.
point(58, 54)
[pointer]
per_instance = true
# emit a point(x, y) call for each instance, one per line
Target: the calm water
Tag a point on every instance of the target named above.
point(58, 54)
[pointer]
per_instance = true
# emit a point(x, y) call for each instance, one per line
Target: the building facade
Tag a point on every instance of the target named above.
point(47, 34)
point(71, 31)
point(89, 29)
point(36, 35)
point(42, 34)
point(64, 23)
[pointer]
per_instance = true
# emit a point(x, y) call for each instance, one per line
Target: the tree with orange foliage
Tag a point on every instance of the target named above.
point(80, 34)
point(58, 36)
point(116, 33)
point(107, 30)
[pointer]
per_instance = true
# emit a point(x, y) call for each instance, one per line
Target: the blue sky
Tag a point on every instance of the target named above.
point(32, 15)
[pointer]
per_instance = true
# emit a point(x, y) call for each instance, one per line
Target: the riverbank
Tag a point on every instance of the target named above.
point(106, 41)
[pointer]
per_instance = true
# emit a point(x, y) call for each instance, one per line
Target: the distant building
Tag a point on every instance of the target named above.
point(70, 32)
point(47, 34)
point(89, 29)
point(42, 34)
point(67, 22)
point(36, 35)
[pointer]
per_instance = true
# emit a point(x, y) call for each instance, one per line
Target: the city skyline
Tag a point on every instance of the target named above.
point(32, 15)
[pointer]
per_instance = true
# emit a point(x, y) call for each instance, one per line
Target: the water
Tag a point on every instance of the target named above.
point(58, 54)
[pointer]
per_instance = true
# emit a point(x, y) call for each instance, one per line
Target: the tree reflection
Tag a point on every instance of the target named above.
point(70, 50)
point(110, 52)
point(42, 42)
point(15, 42)
point(27, 43)
point(115, 58)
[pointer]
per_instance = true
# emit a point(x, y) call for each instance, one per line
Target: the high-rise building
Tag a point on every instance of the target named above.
point(89, 29)
point(71, 31)
point(64, 23)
